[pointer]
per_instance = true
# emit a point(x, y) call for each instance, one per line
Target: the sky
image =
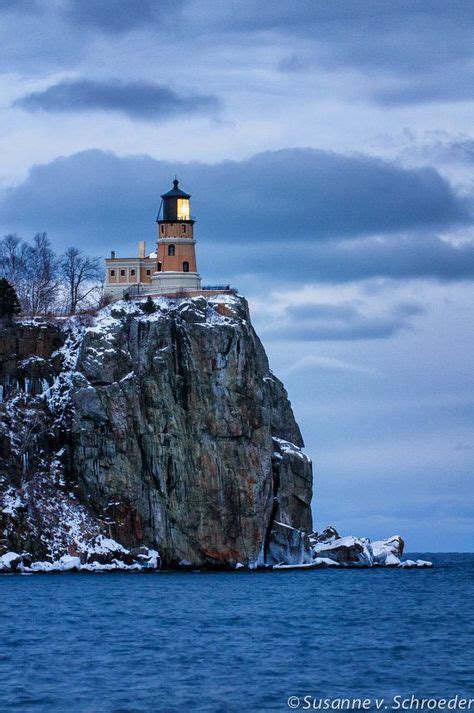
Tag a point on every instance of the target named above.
point(329, 150)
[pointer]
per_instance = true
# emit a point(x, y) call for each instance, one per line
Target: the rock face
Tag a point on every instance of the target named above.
point(160, 432)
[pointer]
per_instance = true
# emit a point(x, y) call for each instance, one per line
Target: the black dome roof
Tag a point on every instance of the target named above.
point(176, 192)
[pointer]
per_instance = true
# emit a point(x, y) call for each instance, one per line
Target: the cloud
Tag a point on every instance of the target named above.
point(314, 361)
point(461, 150)
point(398, 37)
point(306, 192)
point(116, 16)
point(403, 256)
point(138, 100)
point(293, 215)
point(340, 322)
point(451, 86)
point(59, 34)
point(400, 48)
point(18, 6)
point(397, 51)
point(33, 37)
point(294, 198)
point(446, 148)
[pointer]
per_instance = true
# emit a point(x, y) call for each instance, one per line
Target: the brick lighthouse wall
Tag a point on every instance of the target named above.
point(184, 251)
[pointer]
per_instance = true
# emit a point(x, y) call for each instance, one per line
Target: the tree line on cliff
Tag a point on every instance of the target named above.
point(47, 283)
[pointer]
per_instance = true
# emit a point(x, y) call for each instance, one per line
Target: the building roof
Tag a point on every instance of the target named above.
point(176, 192)
point(134, 258)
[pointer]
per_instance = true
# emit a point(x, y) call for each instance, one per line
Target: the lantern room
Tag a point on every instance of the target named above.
point(176, 206)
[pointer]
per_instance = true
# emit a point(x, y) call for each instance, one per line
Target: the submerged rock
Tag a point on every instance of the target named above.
point(149, 433)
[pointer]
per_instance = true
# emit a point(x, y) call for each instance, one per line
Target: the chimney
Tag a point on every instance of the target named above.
point(141, 249)
point(112, 254)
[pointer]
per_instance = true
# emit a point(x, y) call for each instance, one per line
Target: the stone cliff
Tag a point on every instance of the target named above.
point(129, 434)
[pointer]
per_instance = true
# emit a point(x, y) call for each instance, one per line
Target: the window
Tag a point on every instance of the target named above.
point(112, 273)
point(185, 266)
point(171, 249)
point(122, 273)
point(132, 273)
point(148, 272)
point(182, 208)
point(162, 229)
point(183, 228)
point(159, 267)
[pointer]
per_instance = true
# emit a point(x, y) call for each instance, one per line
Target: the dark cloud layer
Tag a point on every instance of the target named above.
point(406, 36)
point(116, 16)
point(56, 34)
point(410, 50)
point(396, 257)
point(425, 44)
point(295, 214)
point(344, 322)
point(288, 195)
point(451, 86)
point(138, 100)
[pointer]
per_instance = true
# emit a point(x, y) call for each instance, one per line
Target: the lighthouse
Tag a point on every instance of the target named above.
point(171, 269)
point(176, 268)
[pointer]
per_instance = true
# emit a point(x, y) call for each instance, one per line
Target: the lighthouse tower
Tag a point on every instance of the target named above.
point(176, 255)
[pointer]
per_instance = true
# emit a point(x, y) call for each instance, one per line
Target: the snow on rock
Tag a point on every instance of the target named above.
point(326, 562)
point(319, 562)
point(344, 550)
point(10, 502)
point(9, 561)
point(43, 567)
point(146, 560)
point(388, 552)
point(360, 552)
point(185, 563)
point(407, 564)
point(289, 547)
point(290, 449)
point(67, 563)
point(151, 560)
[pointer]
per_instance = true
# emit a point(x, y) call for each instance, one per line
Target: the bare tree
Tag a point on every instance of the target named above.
point(13, 264)
point(82, 275)
point(43, 276)
point(32, 270)
point(41, 280)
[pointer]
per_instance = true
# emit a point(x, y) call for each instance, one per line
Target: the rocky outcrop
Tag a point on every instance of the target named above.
point(330, 549)
point(162, 433)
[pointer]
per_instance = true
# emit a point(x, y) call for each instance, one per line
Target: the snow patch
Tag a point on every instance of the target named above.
point(290, 449)
point(11, 502)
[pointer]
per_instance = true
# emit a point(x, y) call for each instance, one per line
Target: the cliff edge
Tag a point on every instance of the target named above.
point(149, 439)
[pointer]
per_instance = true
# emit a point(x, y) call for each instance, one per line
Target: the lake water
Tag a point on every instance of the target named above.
point(234, 641)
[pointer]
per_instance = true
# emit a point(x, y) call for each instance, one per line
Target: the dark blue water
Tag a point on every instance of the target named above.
point(234, 641)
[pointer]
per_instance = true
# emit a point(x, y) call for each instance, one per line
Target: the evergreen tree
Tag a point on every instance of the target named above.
point(9, 304)
point(149, 306)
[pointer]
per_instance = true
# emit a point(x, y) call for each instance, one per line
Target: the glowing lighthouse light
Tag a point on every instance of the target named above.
point(183, 208)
